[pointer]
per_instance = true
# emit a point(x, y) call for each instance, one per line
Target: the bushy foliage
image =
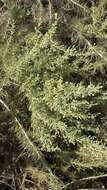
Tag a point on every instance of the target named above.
point(64, 81)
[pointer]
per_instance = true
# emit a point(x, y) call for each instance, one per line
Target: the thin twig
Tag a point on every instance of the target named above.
point(50, 10)
point(89, 44)
point(23, 181)
point(3, 182)
point(77, 182)
point(45, 165)
point(21, 127)
point(78, 5)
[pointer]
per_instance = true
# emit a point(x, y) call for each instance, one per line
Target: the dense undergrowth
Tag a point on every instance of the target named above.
point(53, 94)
